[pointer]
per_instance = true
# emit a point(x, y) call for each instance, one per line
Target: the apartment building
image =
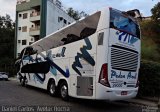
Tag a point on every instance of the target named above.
point(37, 18)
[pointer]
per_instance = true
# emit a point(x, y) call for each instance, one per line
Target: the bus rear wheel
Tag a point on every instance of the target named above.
point(64, 91)
point(52, 88)
point(23, 81)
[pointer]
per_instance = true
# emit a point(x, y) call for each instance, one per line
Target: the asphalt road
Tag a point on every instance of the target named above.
point(12, 94)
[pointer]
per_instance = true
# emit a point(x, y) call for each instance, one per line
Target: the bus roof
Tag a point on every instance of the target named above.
point(56, 39)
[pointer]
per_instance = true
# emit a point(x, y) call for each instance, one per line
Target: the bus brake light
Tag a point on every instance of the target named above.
point(103, 78)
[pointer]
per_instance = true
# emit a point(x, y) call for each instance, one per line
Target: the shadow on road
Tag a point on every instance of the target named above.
point(14, 94)
point(94, 105)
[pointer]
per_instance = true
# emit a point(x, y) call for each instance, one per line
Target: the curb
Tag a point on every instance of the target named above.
point(142, 102)
point(152, 99)
point(13, 78)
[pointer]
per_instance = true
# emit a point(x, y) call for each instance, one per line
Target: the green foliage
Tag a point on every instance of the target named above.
point(76, 14)
point(150, 50)
point(6, 37)
point(7, 33)
point(156, 11)
point(149, 75)
point(150, 31)
point(149, 78)
point(150, 28)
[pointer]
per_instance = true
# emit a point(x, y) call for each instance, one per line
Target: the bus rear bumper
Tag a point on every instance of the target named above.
point(121, 94)
point(113, 94)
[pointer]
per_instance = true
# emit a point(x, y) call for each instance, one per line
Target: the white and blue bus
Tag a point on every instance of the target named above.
point(97, 57)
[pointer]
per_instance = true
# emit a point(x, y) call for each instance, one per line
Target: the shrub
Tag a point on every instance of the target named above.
point(149, 78)
point(150, 50)
point(150, 31)
point(150, 28)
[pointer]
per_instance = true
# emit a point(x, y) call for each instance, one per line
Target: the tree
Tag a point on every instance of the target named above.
point(156, 11)
point(7, 33)
point(76, 14)
point(6, 37)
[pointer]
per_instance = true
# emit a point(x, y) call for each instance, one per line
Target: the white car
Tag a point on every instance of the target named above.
point(3, 76)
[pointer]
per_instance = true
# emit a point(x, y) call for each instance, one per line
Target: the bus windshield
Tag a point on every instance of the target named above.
point(124, 23)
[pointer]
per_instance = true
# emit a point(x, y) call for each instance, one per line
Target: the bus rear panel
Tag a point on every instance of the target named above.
point(118, 77)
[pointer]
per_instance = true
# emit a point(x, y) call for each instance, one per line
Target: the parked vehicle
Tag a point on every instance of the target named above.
point(97, 57)
point(3, 76)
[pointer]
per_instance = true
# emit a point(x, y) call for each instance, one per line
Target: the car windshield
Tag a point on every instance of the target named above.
point(122, 22)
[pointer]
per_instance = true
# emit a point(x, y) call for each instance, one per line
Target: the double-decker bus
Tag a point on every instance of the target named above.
point(97, 57)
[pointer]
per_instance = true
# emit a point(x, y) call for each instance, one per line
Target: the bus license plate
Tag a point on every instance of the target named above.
point(124, 93)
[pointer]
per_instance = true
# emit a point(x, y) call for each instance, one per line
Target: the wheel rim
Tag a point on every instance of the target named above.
point(26, 81)
point(52, 89)
point(22, 81)
point(64, 91)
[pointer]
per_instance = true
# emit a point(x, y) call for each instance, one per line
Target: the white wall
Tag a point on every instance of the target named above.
point(52, 24)
point(53, 12)
point(23, 35)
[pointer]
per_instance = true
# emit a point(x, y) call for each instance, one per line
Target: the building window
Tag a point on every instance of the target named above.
point(30, 43)
point(60, 19)
point(20, 15)
point(25, 15)
point(19, 28)
point(32, 39)
point(65, 21)
point(24, 42)
point(19, 54)
point(24, 29)
point(19, 41)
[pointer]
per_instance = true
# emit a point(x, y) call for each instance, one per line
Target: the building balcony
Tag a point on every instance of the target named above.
point(34, 31)
point(25, 5)
point(35, 16)
point(22, 1)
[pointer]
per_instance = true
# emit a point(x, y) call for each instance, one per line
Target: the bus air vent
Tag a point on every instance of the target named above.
point(124, 59)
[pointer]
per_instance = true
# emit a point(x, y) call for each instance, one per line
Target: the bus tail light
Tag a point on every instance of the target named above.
point(103, 77)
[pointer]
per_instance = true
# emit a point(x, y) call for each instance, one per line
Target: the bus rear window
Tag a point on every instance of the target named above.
point(122, 22)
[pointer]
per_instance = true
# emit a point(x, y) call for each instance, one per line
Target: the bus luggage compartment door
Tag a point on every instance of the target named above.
point(84, 86)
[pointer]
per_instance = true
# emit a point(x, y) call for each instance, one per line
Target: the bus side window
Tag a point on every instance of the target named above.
point(84, 33)
point(70, 38)
point(100, 38)
point(39, 67)
point(87, 32)
point(64, 40)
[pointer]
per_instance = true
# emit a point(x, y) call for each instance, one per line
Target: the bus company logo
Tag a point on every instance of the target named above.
point(127, 38)
point(83, 55)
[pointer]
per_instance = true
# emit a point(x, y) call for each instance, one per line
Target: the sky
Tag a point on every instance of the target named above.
point(89, 6)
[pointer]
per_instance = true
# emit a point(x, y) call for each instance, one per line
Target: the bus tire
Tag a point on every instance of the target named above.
point(23, 81)
point(52, 88)
point(64, 91)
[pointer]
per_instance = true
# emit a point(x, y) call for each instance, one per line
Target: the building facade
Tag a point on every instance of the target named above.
point(37, 18)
